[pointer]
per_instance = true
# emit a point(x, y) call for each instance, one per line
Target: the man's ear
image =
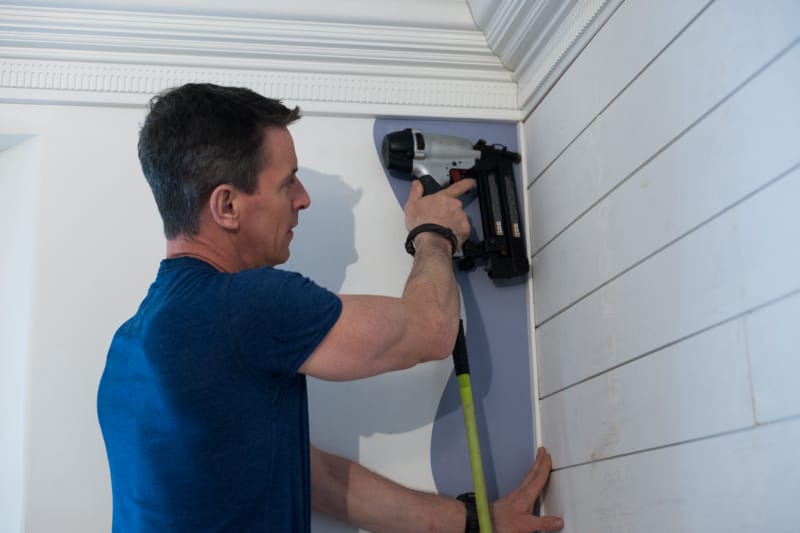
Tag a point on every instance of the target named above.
point(224, 207)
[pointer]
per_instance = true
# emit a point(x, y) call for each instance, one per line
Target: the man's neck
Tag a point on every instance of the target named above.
point(194, 246)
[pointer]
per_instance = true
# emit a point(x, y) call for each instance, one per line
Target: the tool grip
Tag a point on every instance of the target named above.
point(429, 185)
point(460, 359)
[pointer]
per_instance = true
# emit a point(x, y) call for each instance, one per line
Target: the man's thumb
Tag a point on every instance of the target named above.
point(416, 190)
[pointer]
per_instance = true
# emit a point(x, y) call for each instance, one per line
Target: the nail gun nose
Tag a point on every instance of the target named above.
point(398, 151)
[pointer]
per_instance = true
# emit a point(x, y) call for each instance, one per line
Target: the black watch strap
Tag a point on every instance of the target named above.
point(434, 228)
point(472, 512)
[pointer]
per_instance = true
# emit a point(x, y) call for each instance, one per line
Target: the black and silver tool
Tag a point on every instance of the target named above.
point(440, 160)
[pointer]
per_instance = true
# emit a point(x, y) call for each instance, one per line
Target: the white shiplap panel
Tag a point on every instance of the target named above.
point(774, 340)
point(693, 389)
point(745, 482)
point(604, 67)
point(750, 139)
point(744, 258)
point(730, 41)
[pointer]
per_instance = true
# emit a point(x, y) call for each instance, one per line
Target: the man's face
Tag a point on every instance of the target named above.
point(272, 211)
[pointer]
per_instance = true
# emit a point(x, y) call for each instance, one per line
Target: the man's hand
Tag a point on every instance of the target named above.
point(443, 208)
point(512, 512)
point(349, 492)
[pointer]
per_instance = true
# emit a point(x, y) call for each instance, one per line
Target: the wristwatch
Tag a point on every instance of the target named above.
point(472, 512)
point(433, 228)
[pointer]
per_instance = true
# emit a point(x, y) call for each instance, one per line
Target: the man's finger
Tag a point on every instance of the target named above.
point(541, 453)
point(541, 477)
point(546, 523)
point(458, 188)
point(537, 478)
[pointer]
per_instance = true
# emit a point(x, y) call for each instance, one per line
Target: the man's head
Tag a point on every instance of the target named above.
point(200, 136)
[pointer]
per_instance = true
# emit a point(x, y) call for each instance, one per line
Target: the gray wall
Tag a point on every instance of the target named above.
point(663, 177)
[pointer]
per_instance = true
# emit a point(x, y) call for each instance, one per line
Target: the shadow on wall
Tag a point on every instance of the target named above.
point(324, 246)
point(496, 324)
point(340, 413)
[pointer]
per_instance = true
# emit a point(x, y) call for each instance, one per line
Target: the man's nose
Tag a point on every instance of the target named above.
point(302, 198)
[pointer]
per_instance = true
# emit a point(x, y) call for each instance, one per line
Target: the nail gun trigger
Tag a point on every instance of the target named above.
point(457, 174)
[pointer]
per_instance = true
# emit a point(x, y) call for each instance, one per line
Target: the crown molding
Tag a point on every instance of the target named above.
point(65, 55)
point(124, 84)
point(539, 39)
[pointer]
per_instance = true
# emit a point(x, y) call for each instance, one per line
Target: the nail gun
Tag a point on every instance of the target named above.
point(440, 160)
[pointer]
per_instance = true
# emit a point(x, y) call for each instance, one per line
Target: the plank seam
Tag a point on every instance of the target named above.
point(742, 314)
point(563, 70)
point(672, 242)
point(619, 93)
point(682, 442)
point(675, 139)
point(751, 389)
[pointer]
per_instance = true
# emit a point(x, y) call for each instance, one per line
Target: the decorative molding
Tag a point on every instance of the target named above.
point(88, 56)
point(122, 58)
point(35, 81)
point(539, 40)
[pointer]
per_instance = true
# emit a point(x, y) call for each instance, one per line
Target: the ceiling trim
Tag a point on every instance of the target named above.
point(62, 55)
point(539, 40)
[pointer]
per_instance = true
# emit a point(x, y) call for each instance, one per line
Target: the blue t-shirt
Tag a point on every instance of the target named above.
point(203, 413)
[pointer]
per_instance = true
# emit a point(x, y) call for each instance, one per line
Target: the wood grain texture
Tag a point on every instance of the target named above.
point(729, 483)
point(774, 349)
point(694, 389)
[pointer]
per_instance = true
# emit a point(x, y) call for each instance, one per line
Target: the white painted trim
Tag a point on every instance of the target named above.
point(293, 42)
point(34, 81)
point(539, 40)
point(438, 70)
point(538, 74)
point(532, 353)
point(122, 58)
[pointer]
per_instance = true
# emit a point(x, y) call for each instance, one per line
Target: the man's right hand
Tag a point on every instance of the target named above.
point(443, 208)
point(377, 334)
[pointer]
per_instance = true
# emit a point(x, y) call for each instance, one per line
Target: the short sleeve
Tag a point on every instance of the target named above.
point(278, 318)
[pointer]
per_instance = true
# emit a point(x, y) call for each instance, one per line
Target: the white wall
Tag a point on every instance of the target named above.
point(90, 241)
point(663, 176)
point(95, 240)
point(19, 186)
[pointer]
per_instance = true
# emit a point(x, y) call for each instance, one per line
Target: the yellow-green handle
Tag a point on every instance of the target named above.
point(474, 447)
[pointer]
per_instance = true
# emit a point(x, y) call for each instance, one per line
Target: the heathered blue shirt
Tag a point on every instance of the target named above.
point(204, 416)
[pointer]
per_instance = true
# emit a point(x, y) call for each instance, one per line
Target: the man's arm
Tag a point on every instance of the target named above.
point(377, 334)
point(349, 492)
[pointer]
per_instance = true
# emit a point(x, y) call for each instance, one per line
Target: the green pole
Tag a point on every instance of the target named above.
point(461, 363)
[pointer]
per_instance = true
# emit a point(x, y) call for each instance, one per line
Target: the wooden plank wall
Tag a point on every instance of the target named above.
point(663, 183)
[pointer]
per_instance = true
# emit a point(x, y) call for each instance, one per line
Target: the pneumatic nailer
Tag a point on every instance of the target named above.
point(438, 161)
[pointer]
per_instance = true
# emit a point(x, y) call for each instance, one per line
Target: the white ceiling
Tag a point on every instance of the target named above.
point(426, 57)
point(450, 14)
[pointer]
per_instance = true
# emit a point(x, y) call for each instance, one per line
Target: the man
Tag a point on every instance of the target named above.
point(203, 399)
